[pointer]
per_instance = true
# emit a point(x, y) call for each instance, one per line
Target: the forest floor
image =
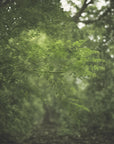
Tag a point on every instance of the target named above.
point(68, 140)
point(49, 136)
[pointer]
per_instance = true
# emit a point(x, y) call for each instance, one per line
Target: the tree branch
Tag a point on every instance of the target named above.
point(98, 19)
point(4, 2)
point(84, 6)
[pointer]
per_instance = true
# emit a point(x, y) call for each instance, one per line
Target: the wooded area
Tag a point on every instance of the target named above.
point(56, 79)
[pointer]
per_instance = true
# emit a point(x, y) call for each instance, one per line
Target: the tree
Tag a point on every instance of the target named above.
point(43, 55)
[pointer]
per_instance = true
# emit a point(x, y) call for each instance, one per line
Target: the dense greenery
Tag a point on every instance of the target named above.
point(56, 80)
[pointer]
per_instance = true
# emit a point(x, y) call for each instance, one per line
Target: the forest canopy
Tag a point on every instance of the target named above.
point(56, 79)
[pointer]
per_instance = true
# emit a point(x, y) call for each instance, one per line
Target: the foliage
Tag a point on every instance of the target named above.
point(52, 73)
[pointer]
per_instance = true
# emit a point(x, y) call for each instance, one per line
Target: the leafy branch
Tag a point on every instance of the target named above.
point(100, 17)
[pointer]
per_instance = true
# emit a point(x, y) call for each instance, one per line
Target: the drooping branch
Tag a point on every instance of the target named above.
point(84, 6)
